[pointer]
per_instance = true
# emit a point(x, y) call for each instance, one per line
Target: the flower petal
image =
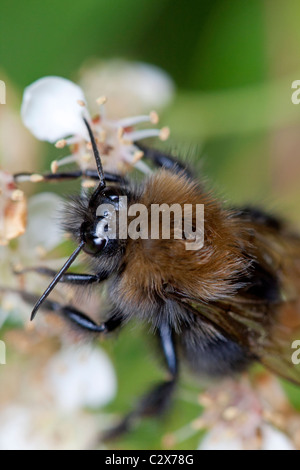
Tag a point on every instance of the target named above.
point(226, 438)
point(43, 228)
point(13, 209)
point(79, 377)
point(130, 87)
point(221, 439)
point(16, 429)
point(50, 109)
point(273, 439)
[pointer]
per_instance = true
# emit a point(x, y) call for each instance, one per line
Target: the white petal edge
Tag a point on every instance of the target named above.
point(273, 439)
point(50, 109)
point(153, 85)
point(17, 428)
point(225, 439)
point(43, 227)
point(220, 439)
point(130, 87)
point(80, 377)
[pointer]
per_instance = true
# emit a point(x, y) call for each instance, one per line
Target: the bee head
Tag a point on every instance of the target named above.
point(94, 223)
point(97, 231)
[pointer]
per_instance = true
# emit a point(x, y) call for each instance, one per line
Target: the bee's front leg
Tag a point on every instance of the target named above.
point(67, 278)
point(65, 176)
point(74, 316)
point(85, 323)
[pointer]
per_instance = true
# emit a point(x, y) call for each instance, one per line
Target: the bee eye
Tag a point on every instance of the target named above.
point(93, 244)
point(114, 197)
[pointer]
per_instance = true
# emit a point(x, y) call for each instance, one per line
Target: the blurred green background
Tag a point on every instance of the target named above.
point(233, 63)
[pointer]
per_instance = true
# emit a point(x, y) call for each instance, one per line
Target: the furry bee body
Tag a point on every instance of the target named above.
point(150, 275)
point(220, 307)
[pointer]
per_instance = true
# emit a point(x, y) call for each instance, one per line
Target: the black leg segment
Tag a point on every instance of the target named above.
point(163, 160)
point(65, 176)
point(157, 400)
point(85, 323)
point(71, 314)
point(67, 278)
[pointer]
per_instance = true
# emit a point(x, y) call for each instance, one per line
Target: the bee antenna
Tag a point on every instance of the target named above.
point(96, 155)
point(56, 280)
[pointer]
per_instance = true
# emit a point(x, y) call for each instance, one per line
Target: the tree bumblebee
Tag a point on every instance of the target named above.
point(218, 309)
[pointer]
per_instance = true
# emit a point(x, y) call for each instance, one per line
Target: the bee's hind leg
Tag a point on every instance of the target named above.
point(157, 400)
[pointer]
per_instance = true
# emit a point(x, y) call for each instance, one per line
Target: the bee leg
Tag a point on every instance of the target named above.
point(67, 278)
point(80, 319)
point(71, 314)
point(163, 160)
point(30, 298)
point(109, 177)
point(70, 175)
point(157, 400)
point(85, 323)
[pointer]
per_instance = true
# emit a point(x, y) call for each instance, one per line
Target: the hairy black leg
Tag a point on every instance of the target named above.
point(67, 278)
point(30, 298)
point(163, 160)
point(72, 314)
point(156, 401)
point(85, 323)
point(70, 175)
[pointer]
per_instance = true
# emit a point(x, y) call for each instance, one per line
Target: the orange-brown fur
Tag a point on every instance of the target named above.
point(206, 274)
point(232, 301)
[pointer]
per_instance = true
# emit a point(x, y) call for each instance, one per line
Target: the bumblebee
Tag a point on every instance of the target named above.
point(218, 309)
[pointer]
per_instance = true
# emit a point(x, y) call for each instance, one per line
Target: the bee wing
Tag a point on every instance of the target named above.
point(266, 330)
point(277, 353)
point(264, 327)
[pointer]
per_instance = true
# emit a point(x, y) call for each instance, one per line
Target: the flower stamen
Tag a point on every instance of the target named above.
point(152, 117)
point(134, 136)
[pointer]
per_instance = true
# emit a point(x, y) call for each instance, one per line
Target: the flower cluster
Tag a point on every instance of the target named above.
point(53, 110)
point(50, 385)
point(13, 209)
point(242, 414)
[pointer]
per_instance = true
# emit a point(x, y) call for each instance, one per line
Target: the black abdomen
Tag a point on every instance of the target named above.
point(210, 353)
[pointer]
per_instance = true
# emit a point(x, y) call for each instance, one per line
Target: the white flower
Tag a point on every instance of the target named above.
point(13, 209)
point(221, 439)
point(238, 417)
point(17, 430)
point(42, 235)
point(275, 440)
point(31, 427)
point(224, 438)
point(19, 150)
point(51, 109)
point(131, 87)
point(43, 229)
point(80, 377)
